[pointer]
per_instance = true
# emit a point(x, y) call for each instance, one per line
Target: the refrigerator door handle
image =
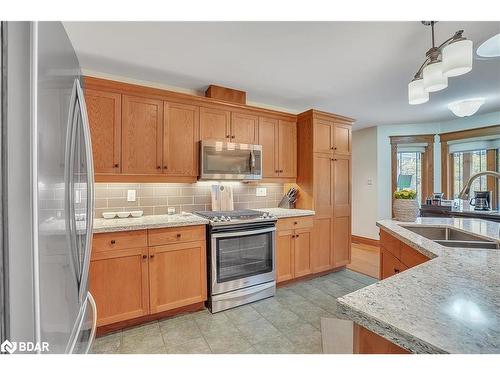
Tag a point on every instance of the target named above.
point(68, 188)
point(84, 271)
point(94, 321)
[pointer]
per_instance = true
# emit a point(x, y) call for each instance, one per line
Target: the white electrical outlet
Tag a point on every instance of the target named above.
point(370, 181)
point(261, 192)
point(130, 195)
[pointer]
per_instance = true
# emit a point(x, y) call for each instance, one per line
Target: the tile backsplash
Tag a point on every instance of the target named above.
point(155, 198)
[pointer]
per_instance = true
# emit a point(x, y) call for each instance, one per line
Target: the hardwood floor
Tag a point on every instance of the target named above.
point(365, 259)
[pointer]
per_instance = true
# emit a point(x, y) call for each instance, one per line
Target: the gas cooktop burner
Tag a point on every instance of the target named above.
point(237, 215)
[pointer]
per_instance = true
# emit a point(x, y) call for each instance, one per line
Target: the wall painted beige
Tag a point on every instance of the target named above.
point(364, 168)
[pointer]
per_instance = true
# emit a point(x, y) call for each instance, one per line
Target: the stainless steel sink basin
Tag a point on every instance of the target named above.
point(450, 237)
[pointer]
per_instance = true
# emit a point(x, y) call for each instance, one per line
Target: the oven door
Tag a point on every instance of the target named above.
point(230, 161)
point(242, 258)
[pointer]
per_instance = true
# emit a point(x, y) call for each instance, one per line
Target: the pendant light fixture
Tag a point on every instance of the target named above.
point(452, 58)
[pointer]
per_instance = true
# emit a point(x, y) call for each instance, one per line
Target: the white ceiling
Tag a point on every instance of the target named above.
point(357, 69)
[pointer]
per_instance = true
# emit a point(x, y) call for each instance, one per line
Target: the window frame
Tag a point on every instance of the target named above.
point(447, 165)
point(427, 181)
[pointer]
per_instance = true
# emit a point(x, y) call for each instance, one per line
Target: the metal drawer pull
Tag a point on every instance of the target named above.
point(178, 235)
point(113, 242)
point(396, 270)
point(117, 165)
point(152, 256)
point(144, 256)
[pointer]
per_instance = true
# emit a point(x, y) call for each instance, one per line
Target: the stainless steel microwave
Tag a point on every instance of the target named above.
point(230, 161)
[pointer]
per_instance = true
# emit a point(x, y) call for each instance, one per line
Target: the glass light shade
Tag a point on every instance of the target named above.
point(457, 58)
point(416, 92)
point(490, 48)
point(434, 79)
point(467, 107)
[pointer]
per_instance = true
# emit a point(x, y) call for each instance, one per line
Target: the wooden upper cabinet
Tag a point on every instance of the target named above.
point(177, 275)
point(287, 148)
point(323, 134)
point(342, 139)
point(215, 124)
point(323, 184)
point(118, 281)
point(142, 135)
point(243, 128)
point(268, 138)
point(180, 136)
point(105, 120)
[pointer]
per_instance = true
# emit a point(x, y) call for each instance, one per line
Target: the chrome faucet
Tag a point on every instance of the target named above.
point(464, 193)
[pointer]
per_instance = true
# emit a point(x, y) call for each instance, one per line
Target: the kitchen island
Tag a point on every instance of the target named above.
point(448, 304)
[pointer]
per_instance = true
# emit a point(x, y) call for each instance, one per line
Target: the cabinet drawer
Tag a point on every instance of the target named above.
point(411, 257)
point(295, 223)
point(166, 236)
point(390, 265)
point(119, 240)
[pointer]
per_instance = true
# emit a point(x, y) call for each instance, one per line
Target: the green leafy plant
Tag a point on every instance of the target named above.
point(405, 194)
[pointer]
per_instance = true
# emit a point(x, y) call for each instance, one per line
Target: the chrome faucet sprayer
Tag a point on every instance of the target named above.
point(464, 193)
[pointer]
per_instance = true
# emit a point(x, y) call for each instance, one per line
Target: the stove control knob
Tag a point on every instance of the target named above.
point(229, 218)
point(222, 218)
point(215, 218)
point(265, 214)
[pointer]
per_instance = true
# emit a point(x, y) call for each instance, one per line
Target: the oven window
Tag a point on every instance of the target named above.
point(240, 257)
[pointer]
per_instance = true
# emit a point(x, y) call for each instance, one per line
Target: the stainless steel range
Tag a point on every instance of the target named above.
point(241, 257)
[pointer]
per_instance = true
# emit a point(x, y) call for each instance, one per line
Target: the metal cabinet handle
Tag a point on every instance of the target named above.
point(178, 235)
point(165, 167)
point(113, 242)
point(396, 270)
point(335, 148)
point(117, 165)
point(152, 256)
point(228, 136)
point(144, 257)
point(297, 236)
point(233, 137)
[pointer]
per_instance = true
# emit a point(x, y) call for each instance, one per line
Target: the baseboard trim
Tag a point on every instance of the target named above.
point(308, 277)
point(365, 241)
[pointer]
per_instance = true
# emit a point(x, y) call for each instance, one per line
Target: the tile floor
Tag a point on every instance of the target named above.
point(289, 322)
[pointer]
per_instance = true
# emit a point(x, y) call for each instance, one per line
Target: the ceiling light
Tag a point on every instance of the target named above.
point(452, 58)
point(490, 48)
point(467, 107)
point(416, 92)
point(434, 79)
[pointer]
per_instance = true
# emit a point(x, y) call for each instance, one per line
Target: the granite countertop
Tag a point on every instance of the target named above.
point(147, 222)
point(282, 213)
point(449, 304)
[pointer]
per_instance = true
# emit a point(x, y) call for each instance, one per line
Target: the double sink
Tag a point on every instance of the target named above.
point(450, 237)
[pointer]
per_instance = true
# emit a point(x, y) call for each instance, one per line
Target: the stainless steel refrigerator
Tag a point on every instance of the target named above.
point(47, 191)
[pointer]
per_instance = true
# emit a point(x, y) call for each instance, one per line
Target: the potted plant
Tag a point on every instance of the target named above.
point(405, 205)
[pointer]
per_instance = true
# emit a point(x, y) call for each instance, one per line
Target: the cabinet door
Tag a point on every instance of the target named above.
point(104, 111)
point(177, 275)
point(323, 184)
point(118, 282)
point(323, 136)
point(302, 252)
point(287, 149)
point(389, 264)
point(284, 255)
point(215, 124)
point(342, 210)
point(243, 128)
point(268, 138)
point(321, 258)
point(180, 135)
point(142, 135)
point(342, 139)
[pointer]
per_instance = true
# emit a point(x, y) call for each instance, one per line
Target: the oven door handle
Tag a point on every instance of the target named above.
point(244, 233)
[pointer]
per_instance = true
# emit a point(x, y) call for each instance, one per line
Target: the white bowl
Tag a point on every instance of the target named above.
point(136, 213)
point(124, 214)
point(108, 215)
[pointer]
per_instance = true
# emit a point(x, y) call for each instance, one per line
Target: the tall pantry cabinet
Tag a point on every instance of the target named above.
point(324, 180)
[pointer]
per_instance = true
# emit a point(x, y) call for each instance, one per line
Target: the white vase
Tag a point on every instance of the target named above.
point(405, 209)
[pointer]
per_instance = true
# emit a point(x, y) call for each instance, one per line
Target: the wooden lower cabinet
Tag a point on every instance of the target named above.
point(119, 284)
point(129, 283)
point(293, 248)
point(321, 255)
point(367, 342)
point(390, 265)
point(177, 275)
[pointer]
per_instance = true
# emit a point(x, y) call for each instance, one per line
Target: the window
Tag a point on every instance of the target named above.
point(409, 173)
point(465, 164)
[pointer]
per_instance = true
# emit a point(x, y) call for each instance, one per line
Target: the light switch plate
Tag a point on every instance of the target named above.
point(261, 192)
point(370, 181)
point(130, 195)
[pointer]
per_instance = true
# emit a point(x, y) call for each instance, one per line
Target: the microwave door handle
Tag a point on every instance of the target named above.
point(252, 161)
